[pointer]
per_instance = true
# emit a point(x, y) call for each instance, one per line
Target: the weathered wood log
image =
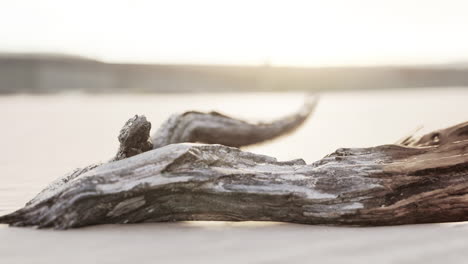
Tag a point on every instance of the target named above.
point(385, 185)
point(134, 137)
point(216, 128)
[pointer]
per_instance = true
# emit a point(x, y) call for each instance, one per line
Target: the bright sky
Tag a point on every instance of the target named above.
point(313, 33)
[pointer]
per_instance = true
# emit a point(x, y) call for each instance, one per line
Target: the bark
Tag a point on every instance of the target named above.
point(216, 128)
point(134, 138)
point(419, 181)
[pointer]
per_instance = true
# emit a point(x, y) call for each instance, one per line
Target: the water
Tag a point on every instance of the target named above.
point(43, 137)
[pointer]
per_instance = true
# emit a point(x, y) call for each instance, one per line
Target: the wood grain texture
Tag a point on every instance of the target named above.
point(216, 128)
point(421, 181)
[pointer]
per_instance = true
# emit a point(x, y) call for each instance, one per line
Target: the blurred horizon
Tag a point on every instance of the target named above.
point(82, 57)
point(119, 46)
point(52, 73)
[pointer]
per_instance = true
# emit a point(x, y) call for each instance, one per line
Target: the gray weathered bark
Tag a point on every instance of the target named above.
point(134, 137)
point(423, 180)
point(216, 128)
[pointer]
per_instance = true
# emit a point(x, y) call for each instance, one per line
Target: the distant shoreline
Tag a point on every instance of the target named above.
point(46, 73)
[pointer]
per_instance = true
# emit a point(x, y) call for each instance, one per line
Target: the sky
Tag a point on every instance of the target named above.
point(293, 33)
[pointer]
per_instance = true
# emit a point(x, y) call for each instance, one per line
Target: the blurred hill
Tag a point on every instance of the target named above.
point(49, 73)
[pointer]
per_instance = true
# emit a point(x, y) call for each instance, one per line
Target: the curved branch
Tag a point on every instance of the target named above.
point(384, 185)
point(216, 128)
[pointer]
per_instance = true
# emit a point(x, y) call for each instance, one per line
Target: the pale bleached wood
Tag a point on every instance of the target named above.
point(134, 137)
point(384, 185)
point(191, 126)
point(216, 128)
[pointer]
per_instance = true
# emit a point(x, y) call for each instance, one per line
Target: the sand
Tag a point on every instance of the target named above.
point(224, 242)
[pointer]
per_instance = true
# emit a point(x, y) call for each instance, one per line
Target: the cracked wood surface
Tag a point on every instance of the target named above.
point(418, 182)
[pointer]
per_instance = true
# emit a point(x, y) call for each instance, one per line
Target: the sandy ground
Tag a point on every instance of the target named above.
point(44, 137)
point(236, 243)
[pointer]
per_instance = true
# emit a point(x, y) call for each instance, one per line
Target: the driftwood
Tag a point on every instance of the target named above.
point(216, 128)
point(420, 180)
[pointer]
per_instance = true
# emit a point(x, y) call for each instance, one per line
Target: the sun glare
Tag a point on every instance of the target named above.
point(332, 32)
